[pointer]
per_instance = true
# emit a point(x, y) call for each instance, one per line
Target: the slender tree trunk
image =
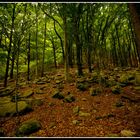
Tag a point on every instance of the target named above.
point(28, 57)
point(54, 53)
point(36, 40)
point(66, 48)
point(12, 66)
point(136, 24)
point(78, 50)
point(43, 58)
point(62, 47)
point(10, 46)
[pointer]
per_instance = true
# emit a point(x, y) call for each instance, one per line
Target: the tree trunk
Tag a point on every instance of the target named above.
point(43, 58)
point(36, 40)
point(10, 46)
point(54, 53)
point(66, 47)
point(136, 24)
point(12, 66)
point(60, 41)
point(28, 57)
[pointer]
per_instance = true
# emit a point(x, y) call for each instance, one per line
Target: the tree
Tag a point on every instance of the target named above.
point(10, 43)
point(135, 16)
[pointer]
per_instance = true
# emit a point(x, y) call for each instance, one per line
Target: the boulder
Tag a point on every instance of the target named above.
point(6, 91)
point(38, 91)
point(82, 86)
point(58, 95)
point(52, 125)
point(119, 104)
point(76, 110)
point(28, 127)
point(127, 133)
point(137, 78)
point(27, 93)
point(9, 108)
point(75, 122)
point(83, 114)
point(94, 78)
point(34, 101)
point(69, 98)
point(95, 91)
point(116, 89)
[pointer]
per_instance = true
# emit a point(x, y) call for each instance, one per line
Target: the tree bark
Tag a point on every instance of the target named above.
point(42, 73)
point(10, 46)
point(66, 47)
point(28, 57)
point(136, 24)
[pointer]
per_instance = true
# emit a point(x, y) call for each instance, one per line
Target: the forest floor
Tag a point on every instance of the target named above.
point(103, 117)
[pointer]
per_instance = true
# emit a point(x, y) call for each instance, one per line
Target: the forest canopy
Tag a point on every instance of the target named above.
point(37, 36)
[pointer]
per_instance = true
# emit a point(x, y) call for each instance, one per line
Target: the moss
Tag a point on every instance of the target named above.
point(116, 89)
point(95, 91)
point(6, 91)
point(9, 109)
point(69, 98)
point(28, 127)
point(82, 86)
point(119, 104)
point(58, 95)
point(76, 110)
point(75, 122)
point(83, 114)
point(27, 93)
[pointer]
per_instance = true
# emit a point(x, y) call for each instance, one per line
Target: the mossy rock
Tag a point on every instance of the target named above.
point(123, 80)
point(36, 102)
point(98, 117)
point(116, 89)
point(76, 110)
point(110, 115)
point(126, 79)
point(51, 104)
point(52, 125)
point(83, 114)
point(69, 98)
point(27, 93)
point(4, 100)
point(9, 109)
point(82, 86)
point(119, 104)
point(58, 81)
point(127, 133)
point(6, 91)
point(94, 79)
point(104, 81)
point(40, 82)
point(76, 122)
point(60, 86)
point(28, 127)
point(58, 95)
point(137, 78)
point(95, 91)
point(38, 91)
point(136, 88)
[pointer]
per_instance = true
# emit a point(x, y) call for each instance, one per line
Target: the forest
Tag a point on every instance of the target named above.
point(69, 69)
